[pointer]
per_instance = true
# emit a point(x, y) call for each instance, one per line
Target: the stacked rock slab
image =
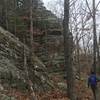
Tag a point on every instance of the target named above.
point(12, 59)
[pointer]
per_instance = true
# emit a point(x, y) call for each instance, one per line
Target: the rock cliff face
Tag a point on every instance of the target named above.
point(12, 59)
point(11, 53)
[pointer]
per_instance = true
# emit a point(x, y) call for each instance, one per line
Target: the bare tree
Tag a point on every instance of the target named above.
point(94, 37)
point(68, 50)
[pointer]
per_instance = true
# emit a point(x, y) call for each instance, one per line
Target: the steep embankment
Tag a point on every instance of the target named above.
point(12, 61)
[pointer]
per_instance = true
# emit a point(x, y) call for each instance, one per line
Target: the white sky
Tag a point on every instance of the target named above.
point(47, 1)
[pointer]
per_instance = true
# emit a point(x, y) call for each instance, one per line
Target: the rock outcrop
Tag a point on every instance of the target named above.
point(12, 61)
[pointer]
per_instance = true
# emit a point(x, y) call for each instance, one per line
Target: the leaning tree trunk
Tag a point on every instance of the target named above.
point(68, 49)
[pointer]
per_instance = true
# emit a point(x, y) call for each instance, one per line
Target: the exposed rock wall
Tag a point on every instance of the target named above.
point(12, 59)
point(11, 53)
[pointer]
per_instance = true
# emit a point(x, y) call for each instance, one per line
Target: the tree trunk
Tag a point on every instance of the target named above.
point(68, 49)
point(27, 76)
point(98, 56)
point(94, 38)
point(31, 49)
point(15, 3)
point(6, 14)
point(78, 57)
point(98, 53)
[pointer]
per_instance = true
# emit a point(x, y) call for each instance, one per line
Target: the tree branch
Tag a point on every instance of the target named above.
point(89, 8)
point(97, 4)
